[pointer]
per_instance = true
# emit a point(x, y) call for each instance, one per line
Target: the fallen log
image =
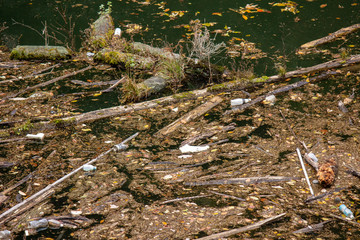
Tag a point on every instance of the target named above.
point(39, 52)
point(243, 229)
point(229, 86)
point(331, 37)
point(249, 180)
point(190, 116)
point(47, 83)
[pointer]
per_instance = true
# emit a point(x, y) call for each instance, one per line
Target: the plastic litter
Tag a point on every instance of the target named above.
point(117, 32)
point(270, 100)
point(89, 168)
point(120, 147)
point(5, 234)
point(239, 101)
point(42, 223)
point(193, 149)
point(313, 157)
point(347, 212)
point(39, 136)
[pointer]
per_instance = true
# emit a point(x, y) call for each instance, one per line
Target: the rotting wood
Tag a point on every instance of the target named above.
point(184, 199)
point(249, 180)
point(243, 229)
point(122, 109)
point(3, 196)
point(197, 112)
point(281, 90)
point(355, 224)
point(312, 228)
point(231, 86)
point(313, 198)
point(24, 207)
point(46, 191)
point(207, 134)
point(352, 171)
point(35, 74)
point(112, 87)
point(227, 196)
point(331, 37)
point(82, 83)
point(337, 63)
point(48, 82)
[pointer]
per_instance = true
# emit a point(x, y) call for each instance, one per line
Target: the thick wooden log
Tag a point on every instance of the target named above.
point(39, 52)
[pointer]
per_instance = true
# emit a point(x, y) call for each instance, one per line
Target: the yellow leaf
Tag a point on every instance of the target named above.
point(86, 129)
point(245, 17)
point(74, 101)
point(217, 14)
point(351, 45)
point(97, 94)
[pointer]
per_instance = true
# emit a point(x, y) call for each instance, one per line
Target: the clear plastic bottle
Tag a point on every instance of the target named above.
point(120, 147)
point(5, 234)
point(89, 168)
point(347, 212)
point(42, 223)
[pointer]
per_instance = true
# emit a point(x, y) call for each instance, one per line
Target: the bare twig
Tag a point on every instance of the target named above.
point(184, 199)
point(304, 169)
point(48, 82)
point(250, 180)
point(227, 195)
point(243, 229)
point(312, 228)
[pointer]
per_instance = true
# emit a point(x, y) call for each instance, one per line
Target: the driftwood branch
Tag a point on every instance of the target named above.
point(48, 82)
point(35, 74)
point(249, 180)
point(281, 90)
point(49, 188)
point(184, 199)
point(331, 37)
point(312, 228)
point(124, 109)
point(197, 112)
point(111, 88)
point(207, 134)
point(243, 229)
point(337, 63)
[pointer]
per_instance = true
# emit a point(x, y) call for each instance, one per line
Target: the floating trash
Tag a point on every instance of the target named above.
point(347, 212)
point(193, 149)
point(89, 168)
point(270, 100)
point(5, 234)
point(239, 101)
point(39, 136)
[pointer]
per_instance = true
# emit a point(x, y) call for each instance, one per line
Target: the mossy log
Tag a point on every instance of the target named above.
point(26, 52)
point(102, 31)
point(144, 49)
point(128, 60)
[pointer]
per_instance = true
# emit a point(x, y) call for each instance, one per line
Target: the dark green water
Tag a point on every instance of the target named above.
point(275, 32)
